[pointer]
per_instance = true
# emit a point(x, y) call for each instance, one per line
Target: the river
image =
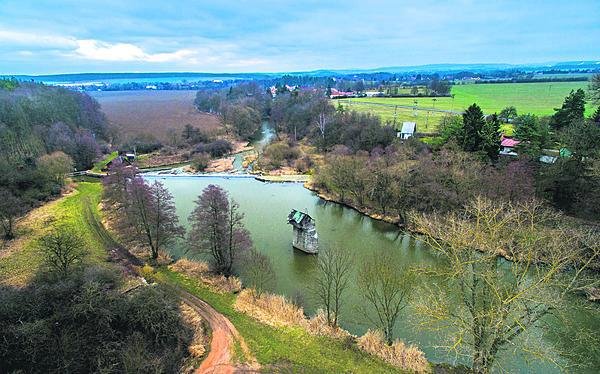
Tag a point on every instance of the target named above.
point(266, 206)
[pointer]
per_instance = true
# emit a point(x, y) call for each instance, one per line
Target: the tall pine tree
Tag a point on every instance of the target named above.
point(572, 110)
point(473, 122)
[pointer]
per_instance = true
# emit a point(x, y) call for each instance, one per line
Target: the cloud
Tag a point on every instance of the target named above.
point(21, 38)
point(102, 51)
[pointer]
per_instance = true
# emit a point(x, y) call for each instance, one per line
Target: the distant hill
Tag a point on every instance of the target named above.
point(176, 77)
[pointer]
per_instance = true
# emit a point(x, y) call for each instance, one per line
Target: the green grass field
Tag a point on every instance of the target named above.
point(25, 259)
point(535, 98)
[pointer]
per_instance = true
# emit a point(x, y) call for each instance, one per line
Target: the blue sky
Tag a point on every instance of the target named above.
point(67, 36)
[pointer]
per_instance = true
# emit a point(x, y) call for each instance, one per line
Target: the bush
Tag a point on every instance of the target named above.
point(397, 354)
point(83, 323)
point(200, 162)
point(218, 148)
point(143, 143)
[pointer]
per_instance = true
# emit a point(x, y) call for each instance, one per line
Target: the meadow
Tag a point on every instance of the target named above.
point(159, 113)
point(535, 98)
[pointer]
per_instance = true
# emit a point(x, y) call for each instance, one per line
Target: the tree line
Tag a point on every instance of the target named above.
point(45, 133)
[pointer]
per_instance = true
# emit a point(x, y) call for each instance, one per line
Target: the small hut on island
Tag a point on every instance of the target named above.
point(305, 232)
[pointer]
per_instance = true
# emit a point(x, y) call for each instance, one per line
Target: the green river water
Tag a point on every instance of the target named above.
point(266, 206)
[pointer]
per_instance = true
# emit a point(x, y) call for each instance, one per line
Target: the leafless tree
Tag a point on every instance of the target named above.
point(334, 268)
point(63, 248)
point(11, 207)
point(217, 229)
point(386, 287)
point(501, 303)
point(258, 271)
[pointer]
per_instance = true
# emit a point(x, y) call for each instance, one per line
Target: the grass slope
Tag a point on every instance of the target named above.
point(20, 259)
point(535, 98)
point(285, 348)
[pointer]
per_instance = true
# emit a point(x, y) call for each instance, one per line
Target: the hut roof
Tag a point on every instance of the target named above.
point(298, 217)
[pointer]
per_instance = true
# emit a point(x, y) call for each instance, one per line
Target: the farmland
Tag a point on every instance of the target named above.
point(535, 98)
point(159, 113)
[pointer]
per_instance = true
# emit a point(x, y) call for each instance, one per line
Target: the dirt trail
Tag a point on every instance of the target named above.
point(224, 334)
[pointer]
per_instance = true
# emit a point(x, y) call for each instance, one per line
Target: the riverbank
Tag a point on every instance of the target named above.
point(327, 196)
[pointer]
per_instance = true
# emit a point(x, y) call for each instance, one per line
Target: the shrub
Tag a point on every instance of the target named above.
point(200, 162)
point(200, 270)
point(217, 148)
point(274, 310)
point(397, 354)
point(143, 143)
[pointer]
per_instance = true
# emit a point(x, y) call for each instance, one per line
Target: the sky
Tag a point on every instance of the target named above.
point(75, 36)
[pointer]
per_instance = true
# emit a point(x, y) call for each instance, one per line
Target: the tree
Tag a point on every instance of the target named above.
point(508, 114)
point(244, 119)
point(500, 303)
point(115, 186)
point(473, 122)
point(594, 89)
point(533, 134)
point(386, 288)
point(86, 150)
point(571, 110)
point(56, 166)
point(63, 249)
point(596, 116)
point(217, 229)
point(11, 207)
point(152, 214)
point(334, 267)
point(490, 137)
point(583, 139)
point(258, 271)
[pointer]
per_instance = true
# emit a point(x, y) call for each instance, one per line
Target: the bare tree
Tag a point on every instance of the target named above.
point(217, 229)
point(386, 288)
point(11, 207)
point(63, 249)
point(322, 122)
point(334, 268)
point(151, 212)
point(258, 271)
point(499, 302)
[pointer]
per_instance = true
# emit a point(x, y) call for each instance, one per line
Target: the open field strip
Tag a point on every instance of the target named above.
point(535, 98)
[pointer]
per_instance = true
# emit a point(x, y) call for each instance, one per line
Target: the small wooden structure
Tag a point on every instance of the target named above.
point(305, 232)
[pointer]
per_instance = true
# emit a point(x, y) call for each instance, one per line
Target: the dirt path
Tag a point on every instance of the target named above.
point(224, 335)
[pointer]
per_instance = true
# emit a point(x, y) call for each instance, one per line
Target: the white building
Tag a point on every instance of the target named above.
point(408, 130)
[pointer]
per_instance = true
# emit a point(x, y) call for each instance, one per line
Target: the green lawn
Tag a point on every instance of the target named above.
point(283, 349)
point(25, 259)
point(535, 98)
point(98, 166)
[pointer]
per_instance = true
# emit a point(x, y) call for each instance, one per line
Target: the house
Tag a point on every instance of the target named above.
point(337, 94)
point(273, 91)
point(408, 130)
point(305, 232)
point(508, 145)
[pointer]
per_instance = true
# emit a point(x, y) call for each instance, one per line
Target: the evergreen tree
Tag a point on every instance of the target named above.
point(572, 110)
point(490, 137)
point(532, 133)
point(596, 116)
point(473, 122)
point(594, 89)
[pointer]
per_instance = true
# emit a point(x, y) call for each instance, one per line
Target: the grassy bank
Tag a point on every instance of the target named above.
point(284, 348)
point(20, 259)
